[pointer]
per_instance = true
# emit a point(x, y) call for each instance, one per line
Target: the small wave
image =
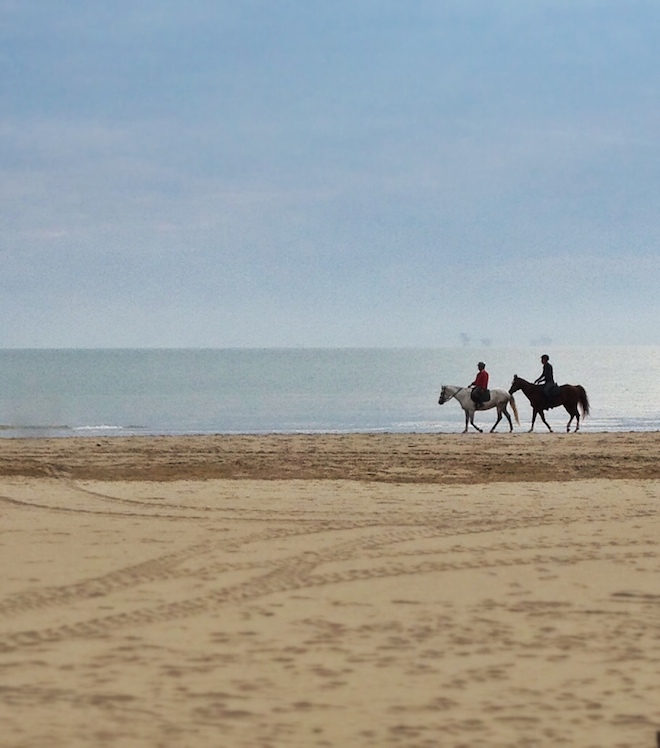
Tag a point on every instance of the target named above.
point(102, 427)
point(29, 427)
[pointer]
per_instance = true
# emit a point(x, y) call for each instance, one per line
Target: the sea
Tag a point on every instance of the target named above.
point(119, 392)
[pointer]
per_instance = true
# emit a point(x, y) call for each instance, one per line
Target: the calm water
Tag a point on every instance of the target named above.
point(119, 392)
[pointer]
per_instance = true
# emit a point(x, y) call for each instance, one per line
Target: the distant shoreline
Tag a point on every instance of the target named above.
point(383, 457)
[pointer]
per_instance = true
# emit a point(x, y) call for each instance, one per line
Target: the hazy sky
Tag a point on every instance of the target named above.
point(329, 172)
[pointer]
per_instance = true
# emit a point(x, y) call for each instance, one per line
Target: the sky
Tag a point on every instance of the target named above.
point(329, 173)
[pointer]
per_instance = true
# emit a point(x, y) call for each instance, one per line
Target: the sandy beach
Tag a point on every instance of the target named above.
point(330, 590)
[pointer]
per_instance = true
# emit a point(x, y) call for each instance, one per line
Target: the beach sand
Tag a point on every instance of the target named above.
point(330, 590)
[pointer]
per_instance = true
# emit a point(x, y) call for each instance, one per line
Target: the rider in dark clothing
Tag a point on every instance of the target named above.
point(547, 378)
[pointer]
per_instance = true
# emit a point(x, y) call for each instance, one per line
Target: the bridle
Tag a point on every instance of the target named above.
point(444, 399)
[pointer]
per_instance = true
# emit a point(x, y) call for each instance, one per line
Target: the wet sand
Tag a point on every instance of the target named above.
point(330, 590)
point(415, 458)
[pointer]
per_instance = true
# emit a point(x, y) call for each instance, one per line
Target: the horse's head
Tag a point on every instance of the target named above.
point(515, 385)
point(447, 392)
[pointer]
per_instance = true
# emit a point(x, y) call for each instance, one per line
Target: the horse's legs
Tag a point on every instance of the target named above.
point(471, 419)
point(540, 413)
point(481, 431)
point(570, 420)
point(501, 411)
point(534, 414)
point(499, 418)
point(544, 421)
point(573, 414)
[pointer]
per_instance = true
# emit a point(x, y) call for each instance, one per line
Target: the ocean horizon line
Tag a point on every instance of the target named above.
point(451, 347)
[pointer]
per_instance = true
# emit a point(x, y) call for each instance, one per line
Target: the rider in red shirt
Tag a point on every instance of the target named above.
point(480, 384)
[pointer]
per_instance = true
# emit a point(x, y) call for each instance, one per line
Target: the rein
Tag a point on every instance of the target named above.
point(455, 393)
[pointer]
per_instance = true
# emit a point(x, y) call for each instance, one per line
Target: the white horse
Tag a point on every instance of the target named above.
point(498, 399)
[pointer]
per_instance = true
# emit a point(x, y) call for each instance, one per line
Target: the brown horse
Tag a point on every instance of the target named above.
point(569, 395)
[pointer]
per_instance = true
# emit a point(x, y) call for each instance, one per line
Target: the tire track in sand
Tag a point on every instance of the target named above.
point(297, 573)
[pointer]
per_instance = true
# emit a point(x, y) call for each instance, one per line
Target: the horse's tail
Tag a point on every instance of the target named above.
point(583, 399)
point(514, 408)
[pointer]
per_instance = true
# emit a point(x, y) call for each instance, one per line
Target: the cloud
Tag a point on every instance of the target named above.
point(372, 173)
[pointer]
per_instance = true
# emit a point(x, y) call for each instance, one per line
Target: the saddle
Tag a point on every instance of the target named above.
point(480, 396)
point(551, 395)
